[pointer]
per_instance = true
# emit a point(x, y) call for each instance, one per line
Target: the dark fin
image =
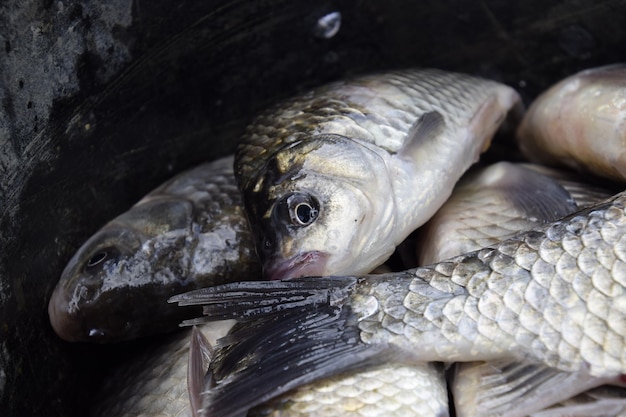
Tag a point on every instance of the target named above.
point(248, 300)
point(513, 388)
point(265, 358)
point(200, 355)
point(538, 196)
point(427, 128)
point(290, 333)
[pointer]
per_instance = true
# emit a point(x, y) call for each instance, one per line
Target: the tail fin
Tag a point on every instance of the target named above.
point(293, 332)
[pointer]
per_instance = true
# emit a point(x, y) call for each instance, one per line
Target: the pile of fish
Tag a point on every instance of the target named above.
point(517, 307)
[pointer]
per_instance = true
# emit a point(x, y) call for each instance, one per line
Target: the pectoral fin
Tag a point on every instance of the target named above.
point(200, 355)
point(537, 196)
point(426, 129)
point(513, 389)
point(599, 402)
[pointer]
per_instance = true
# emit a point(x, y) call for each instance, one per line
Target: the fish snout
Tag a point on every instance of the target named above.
point(311, 263)
point(64, 323)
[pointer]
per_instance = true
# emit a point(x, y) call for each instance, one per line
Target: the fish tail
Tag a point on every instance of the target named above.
point(297, 332)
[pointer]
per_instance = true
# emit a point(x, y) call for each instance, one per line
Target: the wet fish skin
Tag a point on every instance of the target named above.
point(373, 156)
point(487, 206)
point(568, 314)
point(190, 232)
point(390, 390)
point(579, 122)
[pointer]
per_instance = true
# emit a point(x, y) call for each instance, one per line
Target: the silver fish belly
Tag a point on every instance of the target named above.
point(191, 232)
point(579, 122)
point(333, 180)
point(554, 296)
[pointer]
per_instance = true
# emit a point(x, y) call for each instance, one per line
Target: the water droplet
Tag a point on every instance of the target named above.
point(328, 25)
point(96, 333)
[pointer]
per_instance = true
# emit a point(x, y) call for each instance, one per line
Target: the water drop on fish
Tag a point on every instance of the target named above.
point(328, 25)
point(96, 333)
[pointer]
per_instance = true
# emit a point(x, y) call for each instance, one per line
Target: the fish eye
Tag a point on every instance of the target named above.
point(299, 208)
point(304, 214)
point(100, 257)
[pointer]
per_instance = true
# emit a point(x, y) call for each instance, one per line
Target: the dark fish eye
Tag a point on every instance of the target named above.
point(96, 259)
point(300, 209)
point(100, 257)
point(305, 214)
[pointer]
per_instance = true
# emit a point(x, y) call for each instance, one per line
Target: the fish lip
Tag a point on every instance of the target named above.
point(311, 263)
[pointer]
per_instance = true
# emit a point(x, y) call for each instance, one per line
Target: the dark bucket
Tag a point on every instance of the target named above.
point(101, 101)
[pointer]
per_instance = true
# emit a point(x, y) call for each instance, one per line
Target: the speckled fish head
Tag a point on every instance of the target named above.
point(316, 204)
point(124, 254)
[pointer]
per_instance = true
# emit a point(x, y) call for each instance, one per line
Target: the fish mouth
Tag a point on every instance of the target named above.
point(303, 265)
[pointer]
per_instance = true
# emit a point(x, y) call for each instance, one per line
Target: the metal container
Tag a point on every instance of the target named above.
point(102, 101)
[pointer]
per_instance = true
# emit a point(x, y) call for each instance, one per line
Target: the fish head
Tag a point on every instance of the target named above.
point(317, 205)
point(104, 290)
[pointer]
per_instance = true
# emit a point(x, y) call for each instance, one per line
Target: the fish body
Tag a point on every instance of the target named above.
point(579, 122)
point(554, 296)
point(487, 206)
point(333, 180)
point(388, 390)
point(191, 232)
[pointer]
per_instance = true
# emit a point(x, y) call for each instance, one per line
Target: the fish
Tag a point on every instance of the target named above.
point(487, 206)
point(190, 232)
point(579, 122)
point(554, 296)
point(335, 178)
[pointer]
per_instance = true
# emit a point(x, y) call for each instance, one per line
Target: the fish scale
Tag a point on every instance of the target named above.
point(487, 206)
point(391, 390)
point(503, 270)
